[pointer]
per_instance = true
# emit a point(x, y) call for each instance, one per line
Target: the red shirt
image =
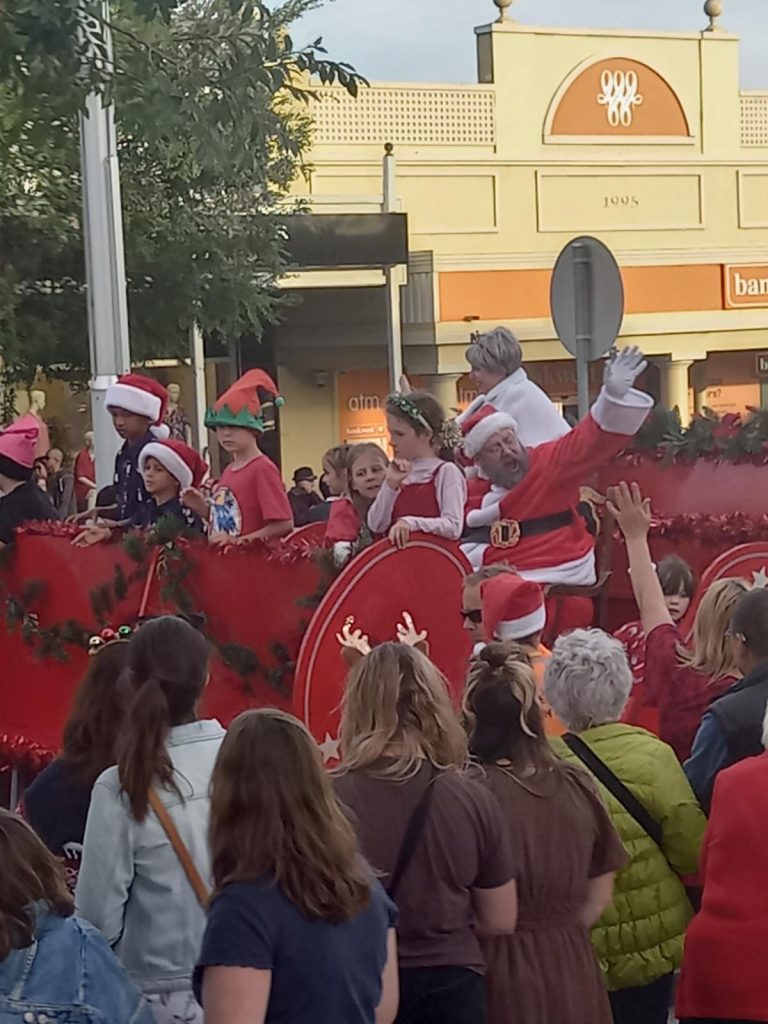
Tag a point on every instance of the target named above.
point(681, 694)
point(343, 523)
point(637, 711)
point(247, 498)
point(84, 466)
point(723, 975)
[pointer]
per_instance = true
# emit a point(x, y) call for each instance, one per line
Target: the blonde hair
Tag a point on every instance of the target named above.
point(397, 706)
point(712, 654)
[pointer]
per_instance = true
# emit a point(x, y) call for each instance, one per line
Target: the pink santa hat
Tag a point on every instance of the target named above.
point(142, 396)
point(17, 447)
point(181, 461)
point(480, 427)
point(513, 608)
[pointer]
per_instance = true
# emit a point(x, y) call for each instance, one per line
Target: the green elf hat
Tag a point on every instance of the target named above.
point(248, 403)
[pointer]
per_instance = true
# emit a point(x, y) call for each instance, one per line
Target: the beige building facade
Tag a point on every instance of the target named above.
point(642, 139)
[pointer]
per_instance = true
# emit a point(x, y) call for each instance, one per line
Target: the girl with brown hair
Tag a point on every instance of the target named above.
point(299, 930)
point(52, 965)
point(423, 491)
point(682, 682)
point(564, 845)
point(436, 835)
point(132, 885)
point(56, 803)
point(347, 531)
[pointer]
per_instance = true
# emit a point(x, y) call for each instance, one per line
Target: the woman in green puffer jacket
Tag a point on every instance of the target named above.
point(639, 939)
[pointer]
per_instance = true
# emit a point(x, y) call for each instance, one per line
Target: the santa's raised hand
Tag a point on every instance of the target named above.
point(623, 370)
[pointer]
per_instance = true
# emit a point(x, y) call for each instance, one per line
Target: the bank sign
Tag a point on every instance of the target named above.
point(746, 286)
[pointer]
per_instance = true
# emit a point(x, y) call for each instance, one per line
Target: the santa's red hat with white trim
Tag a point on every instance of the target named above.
point(480, 427)
point(181, 461)
point(513, 608)
point(142, 396)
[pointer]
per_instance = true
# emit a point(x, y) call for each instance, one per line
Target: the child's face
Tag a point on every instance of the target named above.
point(368, 475)
point(677, 605)
point(128, 425)
point(236, 440)
point(334, 479)
point(157, 479)
point(406, 443)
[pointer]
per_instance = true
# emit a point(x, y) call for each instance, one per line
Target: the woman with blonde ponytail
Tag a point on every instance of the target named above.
point(564, 845)
point(132, 885)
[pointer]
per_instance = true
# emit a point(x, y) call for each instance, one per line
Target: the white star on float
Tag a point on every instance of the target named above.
point(760, 579)
point(329, 748)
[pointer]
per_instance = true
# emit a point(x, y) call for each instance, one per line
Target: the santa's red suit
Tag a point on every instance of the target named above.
point(536, 526)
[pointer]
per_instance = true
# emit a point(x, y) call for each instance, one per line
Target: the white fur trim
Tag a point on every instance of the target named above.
point(479, 435)
point(161, 432)
point(167, 458)
point(141, 403)
point(474, 406)
point(519, 629)
point(621, 415)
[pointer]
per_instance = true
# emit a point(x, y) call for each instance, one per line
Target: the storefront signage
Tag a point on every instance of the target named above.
point(762, 364)
point(746, 285)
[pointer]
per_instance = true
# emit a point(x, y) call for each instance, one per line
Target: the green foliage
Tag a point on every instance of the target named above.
point(211, 131)
point(732, 438)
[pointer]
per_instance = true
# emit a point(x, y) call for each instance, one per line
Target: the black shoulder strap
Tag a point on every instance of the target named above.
point(413, 831)
point(615, 786)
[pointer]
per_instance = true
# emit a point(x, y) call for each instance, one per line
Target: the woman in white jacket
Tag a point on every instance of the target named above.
point(132, 885)
point(496, 359)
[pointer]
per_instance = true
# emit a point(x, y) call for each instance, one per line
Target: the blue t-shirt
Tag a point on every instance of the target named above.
point(322, 973)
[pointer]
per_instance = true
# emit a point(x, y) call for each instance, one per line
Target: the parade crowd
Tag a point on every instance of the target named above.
point(582, 836)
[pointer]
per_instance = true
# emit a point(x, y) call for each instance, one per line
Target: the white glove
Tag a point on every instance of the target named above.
point(623, 370)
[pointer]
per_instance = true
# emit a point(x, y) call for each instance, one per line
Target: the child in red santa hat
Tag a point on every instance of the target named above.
point(249, 502)
point(167, 468)
point(514, 610)
point(22, 500)
point(422, 491)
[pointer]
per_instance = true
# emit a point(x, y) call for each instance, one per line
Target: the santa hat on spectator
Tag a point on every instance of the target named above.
point(246, 404)
point(181, 461)
point(142, 396)
point(480, 427)
point(17, 448)
point(513, 608)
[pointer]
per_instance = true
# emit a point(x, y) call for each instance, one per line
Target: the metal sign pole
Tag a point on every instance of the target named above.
point(104, 267)
point(391, 275)
point(582, 287)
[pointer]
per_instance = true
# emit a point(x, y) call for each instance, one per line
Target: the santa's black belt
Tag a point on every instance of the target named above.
point(507, 533)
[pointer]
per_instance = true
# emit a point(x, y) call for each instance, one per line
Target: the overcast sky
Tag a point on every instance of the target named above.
point(433, 41)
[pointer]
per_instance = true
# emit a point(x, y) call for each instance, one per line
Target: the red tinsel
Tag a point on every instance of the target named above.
point(735, 527)
point(25, 756)
point(54, 528)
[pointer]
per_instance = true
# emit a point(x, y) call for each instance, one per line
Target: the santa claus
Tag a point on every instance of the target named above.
point(522, 507)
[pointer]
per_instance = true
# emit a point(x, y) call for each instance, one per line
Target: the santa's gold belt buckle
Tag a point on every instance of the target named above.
point(505, 533)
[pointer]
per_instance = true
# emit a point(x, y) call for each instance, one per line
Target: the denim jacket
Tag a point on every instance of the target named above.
point(132, 886)
point(67, 976)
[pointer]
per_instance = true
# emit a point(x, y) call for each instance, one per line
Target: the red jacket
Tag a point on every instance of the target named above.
point(724, 967)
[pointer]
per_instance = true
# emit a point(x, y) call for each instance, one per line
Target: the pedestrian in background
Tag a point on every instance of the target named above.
point(53, 966)
point(299, 929)
point(565, 849)
point(145, 855)
point(303, 496)
point(436, 835)
point(639, 938)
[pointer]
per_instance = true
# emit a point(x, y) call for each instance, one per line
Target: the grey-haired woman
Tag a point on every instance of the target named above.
point(496, 359)
point(639, 938)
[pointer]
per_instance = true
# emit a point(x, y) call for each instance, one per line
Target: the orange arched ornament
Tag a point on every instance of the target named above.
point(616, 99)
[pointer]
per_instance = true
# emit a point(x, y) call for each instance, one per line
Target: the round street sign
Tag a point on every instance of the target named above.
point(587, 298)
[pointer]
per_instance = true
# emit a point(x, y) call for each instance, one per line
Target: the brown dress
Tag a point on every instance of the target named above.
point(547, 972)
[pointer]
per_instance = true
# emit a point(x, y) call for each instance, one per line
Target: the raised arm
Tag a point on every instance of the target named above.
point(633, 514)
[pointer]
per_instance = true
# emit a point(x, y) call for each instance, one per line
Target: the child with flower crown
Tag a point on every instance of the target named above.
point(423, 491)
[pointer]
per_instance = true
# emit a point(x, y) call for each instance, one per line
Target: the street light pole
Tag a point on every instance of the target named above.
point(392, 277)
point(104, 265)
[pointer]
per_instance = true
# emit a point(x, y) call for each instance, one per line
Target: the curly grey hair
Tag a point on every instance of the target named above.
point(587, 680)
point(497, 351)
